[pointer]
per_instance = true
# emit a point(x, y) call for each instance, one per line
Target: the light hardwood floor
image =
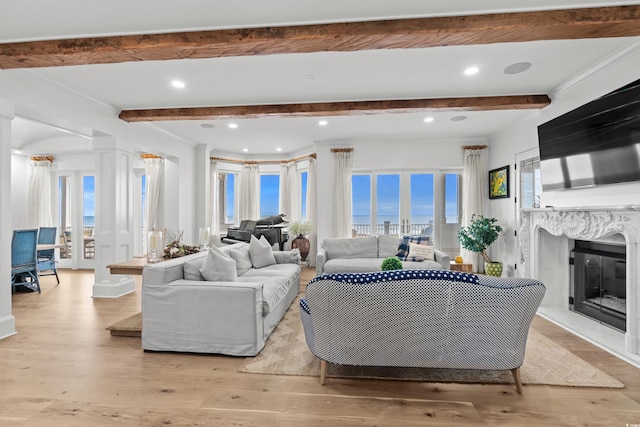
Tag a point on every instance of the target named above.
point(63, 368)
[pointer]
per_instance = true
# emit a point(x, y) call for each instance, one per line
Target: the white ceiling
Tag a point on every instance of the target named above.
point(291, 78)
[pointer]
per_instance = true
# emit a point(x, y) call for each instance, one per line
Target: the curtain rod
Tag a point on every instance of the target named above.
point(255, 162)
point(42, 158)
point(341, 150)
point(474, 147)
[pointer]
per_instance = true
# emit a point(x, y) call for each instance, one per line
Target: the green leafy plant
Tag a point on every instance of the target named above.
point(391, 263)
point(300, 228)
point(479, 235)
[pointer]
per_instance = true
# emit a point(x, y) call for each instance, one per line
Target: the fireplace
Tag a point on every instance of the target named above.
point(608, 238)
point(599, 282)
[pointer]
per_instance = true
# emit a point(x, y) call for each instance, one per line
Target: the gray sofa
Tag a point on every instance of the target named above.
point(226, 317)
point(420, 318)
point(365, 254)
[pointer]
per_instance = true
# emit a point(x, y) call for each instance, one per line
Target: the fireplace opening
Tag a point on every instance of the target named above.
point(599, 282)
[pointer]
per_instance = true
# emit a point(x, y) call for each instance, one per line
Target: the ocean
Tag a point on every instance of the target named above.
point(89, 221)
point(366, 219)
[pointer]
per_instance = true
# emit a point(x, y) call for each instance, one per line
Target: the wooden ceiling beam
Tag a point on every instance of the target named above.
point(352, 108)
point(619, 21)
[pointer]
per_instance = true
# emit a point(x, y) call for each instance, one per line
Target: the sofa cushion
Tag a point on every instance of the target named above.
point(388, 245)
point(274, 289)
point(261, 252)
point(421, 250)
point(359, 247)
point(288, 257)
point(192, 269)
point(242, 258)
point(219, 267)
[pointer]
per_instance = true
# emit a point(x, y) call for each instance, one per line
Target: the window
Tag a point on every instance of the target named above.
point(229, 198)
point(303, 186)
point(88, 216)
point(361, 204)
point(451, 195)
point(269, 195)
point(530, 184)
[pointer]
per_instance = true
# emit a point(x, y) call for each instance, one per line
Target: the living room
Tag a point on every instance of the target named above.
point(88, 130)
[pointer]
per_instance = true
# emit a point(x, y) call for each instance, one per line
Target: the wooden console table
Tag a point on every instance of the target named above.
point(132, 267)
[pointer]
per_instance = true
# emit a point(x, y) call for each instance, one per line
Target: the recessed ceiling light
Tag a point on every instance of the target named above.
point(310, 77)
point(208, 125)
point(471, 71)
point(323, 123)
point(233, 125)
point(278, 149)
point(428, 119)
point(519, 67)
point(458, 118)
point(246, 150)
point(178, 84)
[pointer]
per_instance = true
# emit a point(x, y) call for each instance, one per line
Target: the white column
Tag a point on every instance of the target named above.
point(114, 215)
point(7, 321)
point(203, 190)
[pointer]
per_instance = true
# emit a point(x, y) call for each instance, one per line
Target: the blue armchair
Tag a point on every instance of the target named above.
point(24, 269)
point(47, 258)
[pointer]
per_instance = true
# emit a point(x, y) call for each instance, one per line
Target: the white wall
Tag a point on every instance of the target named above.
point(523, 136)
point(19, 190)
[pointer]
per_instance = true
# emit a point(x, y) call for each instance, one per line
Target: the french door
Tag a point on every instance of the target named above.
point(393, 203)
point(75, 196)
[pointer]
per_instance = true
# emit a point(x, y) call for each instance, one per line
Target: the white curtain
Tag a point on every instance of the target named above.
point(153, 169)
point(474, 190)
point(249, 207)
point(214, 197)
point(290, 191)
point(39, 197)
point(342, 164)
point(312, 211)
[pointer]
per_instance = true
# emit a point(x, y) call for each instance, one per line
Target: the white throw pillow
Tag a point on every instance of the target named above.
point(425, 251)
point(219, 267)
point(192, 269)
point(261, 252)
point(243, 260)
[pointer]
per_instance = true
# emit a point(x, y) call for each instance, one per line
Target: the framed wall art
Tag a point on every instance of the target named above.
point(499, 183)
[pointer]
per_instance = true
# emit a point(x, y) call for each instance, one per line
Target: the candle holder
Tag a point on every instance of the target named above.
point(155, 245)
point(205, 235)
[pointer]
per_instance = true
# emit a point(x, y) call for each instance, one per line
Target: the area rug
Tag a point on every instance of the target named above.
point(286, 353)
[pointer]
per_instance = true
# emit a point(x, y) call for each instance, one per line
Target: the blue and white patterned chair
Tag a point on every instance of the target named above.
point(420, 318)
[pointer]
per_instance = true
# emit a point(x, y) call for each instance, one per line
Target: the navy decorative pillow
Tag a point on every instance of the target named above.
point(403, 248)
point(387, 276)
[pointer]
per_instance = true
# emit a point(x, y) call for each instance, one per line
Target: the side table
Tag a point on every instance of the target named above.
point(465, 268)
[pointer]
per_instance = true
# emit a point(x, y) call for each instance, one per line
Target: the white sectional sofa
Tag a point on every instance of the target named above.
point(365, 254)
point(182, 312)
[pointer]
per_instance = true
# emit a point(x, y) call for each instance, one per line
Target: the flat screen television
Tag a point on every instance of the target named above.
point(595, 144)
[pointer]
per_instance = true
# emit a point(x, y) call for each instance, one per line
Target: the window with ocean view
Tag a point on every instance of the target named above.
point(269, 195)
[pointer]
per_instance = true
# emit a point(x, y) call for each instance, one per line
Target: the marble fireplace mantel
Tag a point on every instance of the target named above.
point(546, 240)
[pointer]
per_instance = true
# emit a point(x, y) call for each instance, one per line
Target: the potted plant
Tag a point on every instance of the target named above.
point(300, 229)
point(478, 236)
point(391, 263)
